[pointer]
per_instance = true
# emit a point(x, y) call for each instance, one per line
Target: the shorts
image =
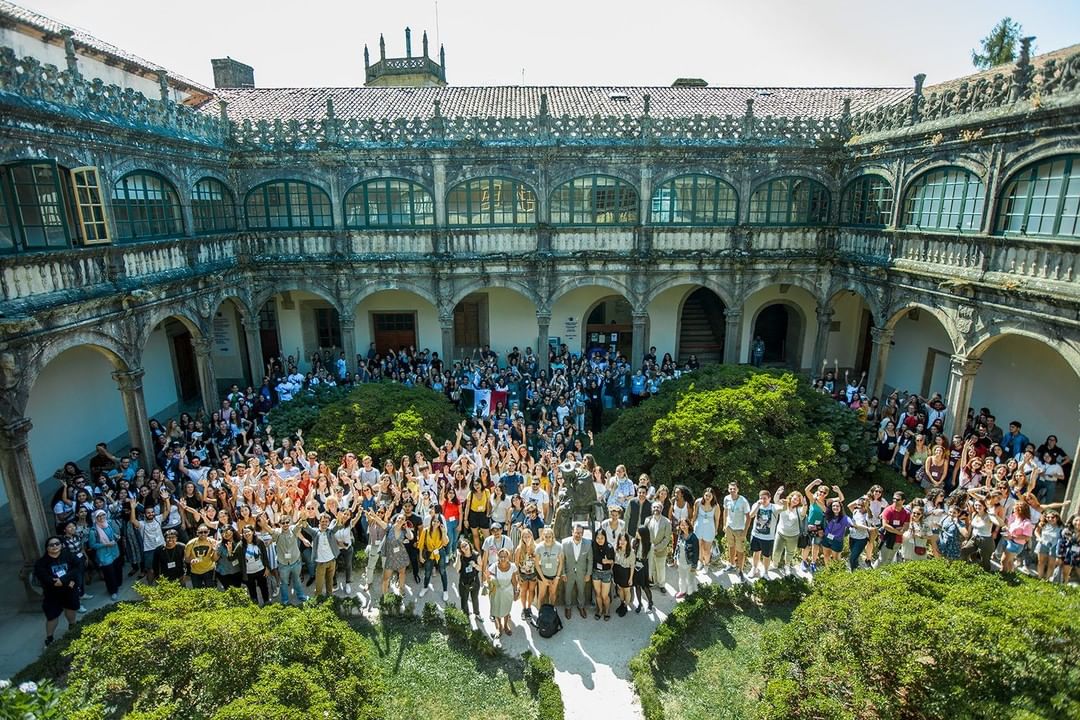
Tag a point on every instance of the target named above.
point(1046, 549)
point(54, 607)
point(734, 536)
point(762, 546)
point(479, 520)
point(836, 544)
point(603, 576)
point(148, 559)
point(1013, 547)
point(527, 577)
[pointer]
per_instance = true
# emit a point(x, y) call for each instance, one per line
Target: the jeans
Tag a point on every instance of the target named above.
point(203, 580)
point(857, 546)
point(430, 564)
point(290, 577)
point(113, 573)
point(451, 535)
point(257, 581)
point(345, 560)
point(470, 591)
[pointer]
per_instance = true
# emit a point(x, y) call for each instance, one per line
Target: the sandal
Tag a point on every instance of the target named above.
point(597, 616)
point(606, 618)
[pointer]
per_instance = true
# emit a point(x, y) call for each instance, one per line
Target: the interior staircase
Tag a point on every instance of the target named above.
point(701, 332)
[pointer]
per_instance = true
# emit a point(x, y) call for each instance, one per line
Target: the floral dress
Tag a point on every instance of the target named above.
point(950, 538)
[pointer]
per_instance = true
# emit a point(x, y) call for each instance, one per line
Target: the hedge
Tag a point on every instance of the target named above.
point(762, 428)
point(670, 635)
point(928, 640)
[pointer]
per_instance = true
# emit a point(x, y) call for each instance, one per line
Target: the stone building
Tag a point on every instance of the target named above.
point(159, 239)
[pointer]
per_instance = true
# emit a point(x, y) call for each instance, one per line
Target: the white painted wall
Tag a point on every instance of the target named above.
point(845, 341)
point(1026, 380)
point(664, 313)
point(90, 68)
point(74, 404)
point(159, 383)
point(428, 333)
point(511, 321)
point(568, 315)
point(766, 296)
point(907, 359)
point(226, 348)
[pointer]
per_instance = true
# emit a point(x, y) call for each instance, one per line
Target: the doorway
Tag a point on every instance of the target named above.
point(780, 328)
point(187, 372)
point(392, 331)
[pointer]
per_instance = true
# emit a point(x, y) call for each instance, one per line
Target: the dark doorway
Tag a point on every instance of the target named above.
point(470, 324)
point(392, 331)
point(780, 327)
point(187, 372)
point(268, 332)
point(702, 327)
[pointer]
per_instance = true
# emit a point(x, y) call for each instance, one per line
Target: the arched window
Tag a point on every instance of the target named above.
point(212, 206)
point(790, 201)
point(146, 206)
point(390, 203)
point(491, 201)
point(287, 204)
point(949, 198)
point(594, 200)
point(1043, 199)
point(34, 206)
point(867, 201)
point(694, 200)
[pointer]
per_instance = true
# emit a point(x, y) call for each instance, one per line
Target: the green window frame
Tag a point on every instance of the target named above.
point(491, 201)
point(287, 205)
point(213, 207)
point(791, 200)
point(389, 203)
point(867, 201)
point(34, 207)
point(694, 200)
point(948, 199)
point(145, 207)
point(1043, 199)
point(594, 200)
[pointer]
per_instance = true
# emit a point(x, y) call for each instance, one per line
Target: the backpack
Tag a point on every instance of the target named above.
point(548, 621)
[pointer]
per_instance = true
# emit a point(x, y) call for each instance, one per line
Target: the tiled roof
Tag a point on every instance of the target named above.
point(11, 12)
point(373, 103)
point(1037, 61)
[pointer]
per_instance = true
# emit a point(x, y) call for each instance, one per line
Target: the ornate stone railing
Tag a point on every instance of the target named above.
point(27, 82)
point(1021, 85)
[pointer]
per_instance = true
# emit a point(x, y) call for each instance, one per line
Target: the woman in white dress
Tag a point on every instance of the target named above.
point(502, 578)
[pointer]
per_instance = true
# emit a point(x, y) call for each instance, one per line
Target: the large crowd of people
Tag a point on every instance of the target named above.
point(230, 501)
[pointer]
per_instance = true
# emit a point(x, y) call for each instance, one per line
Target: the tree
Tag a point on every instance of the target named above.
point(999, 47)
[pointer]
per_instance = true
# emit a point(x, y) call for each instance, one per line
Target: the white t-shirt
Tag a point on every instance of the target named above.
point(538, 496)
point(737, 510)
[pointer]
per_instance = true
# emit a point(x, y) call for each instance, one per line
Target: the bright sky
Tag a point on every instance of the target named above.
point(573, 42)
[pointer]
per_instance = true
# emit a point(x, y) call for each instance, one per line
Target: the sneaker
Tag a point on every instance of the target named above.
point(805, 566)
point(741, 576)
point(637, 609)
point(48, 641)
point(423, 592)
point(445, 596)
point(680, 596)
point(348, 588)
point(87, 596)
point(114, 597)
point(813, 567)
point(662, 590)
point(82, 608)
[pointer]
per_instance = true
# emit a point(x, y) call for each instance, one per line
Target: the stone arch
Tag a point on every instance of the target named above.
point(782, 278)
point(129, 165)
point(1068, 349)
point(157, 315)
point(580, 281)
point(290, 285)
point(249, 180)
point(896, 312)
point(1038, 153)
point(477, 171)
point(870, 294)
point(371, 287)
point(21, 153)
point(724, 292)
point(414, 174)
point(494, 281)
point(825, 179)
point(631, 177)
point(121, 356)
point(874, 168)
point(922, 167)
point(670, 174)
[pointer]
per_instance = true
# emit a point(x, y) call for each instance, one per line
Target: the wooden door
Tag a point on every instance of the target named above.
point(187, 371)
point(392, 331)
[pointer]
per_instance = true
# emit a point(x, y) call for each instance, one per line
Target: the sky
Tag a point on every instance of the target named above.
point(573, 42)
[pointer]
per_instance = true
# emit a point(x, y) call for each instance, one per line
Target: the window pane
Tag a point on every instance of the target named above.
point(146, 207)
point(39, 206)
point(212, 206)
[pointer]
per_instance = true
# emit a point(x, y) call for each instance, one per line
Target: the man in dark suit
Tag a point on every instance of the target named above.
point(638, 511)
point(577, 561)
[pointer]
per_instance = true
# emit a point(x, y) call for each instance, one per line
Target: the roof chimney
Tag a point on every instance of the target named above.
point(689, 82)
point(229, 73)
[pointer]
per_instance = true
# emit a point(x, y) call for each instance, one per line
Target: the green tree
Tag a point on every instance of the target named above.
point(999, 47)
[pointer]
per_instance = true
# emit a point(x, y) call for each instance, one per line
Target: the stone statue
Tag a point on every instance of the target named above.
point(576, 501)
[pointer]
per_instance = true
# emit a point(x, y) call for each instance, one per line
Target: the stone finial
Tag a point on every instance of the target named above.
point(382, 47)
point(544, 105)
point(438, 108)
point(1025, 50)
point(223, 111)
point(163, 84)
point(425, 44)
point(916, 97)
point(750, 107)
point(919, 80)
point(442, 58)
point(330, 107)
point(1022, 72)
point(69, 50)
point(408, 43)
point(648, 103)
point(367, 57)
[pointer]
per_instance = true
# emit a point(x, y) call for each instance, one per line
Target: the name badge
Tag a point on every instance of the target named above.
point(234, 563)
point(60, 572)
point(170, 565)
point(831, 537)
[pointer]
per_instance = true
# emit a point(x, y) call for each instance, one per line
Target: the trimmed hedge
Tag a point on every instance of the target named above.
point(928, 640)
point(540, 677)
point(670, 635)
point(762, 428)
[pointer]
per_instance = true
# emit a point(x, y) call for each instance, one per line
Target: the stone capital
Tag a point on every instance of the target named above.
point(129, 380)
point(446, 321)
point(963, 366)
point(543, 318)
point(733, 314)
point(881, 336)
point(824, 312)
point(201, 346)
point(14, 433)
point(640, 317)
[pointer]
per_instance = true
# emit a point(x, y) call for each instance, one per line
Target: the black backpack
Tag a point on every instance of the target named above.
point(548, 621)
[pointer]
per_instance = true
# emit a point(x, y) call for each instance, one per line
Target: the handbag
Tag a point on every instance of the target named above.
point(920, 551)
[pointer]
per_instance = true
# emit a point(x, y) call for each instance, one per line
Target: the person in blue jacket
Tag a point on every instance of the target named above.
point(686, 558)
point(104, 540)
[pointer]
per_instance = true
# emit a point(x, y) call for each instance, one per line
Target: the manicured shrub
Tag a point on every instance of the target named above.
point(926, 640)
point(540, 677)
point(384, 420)
point(761, 428)
point(208, 654)
point(302, 411)
point(28, 699)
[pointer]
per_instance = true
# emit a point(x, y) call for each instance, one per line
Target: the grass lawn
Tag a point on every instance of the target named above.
point(429, 674)
point(715, 675)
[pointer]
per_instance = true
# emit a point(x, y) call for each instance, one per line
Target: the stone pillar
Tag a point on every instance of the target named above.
point(348, 340)
point(958, 398)
point(640, 338)
point(732, 335)
point(439, 176)
point(821, 342)
point(879, 360)
point(32, 525)
point(130, 383)
point(255, 365)
point(1072, 490)
point(207, 376)
point(446, 325)
point(543, 323)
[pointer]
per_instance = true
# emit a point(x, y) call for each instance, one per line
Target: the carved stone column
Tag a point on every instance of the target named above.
point(543, 323)
point(255, 364)
point(881, 340)
point(821, 341)
point(32, 525)
point(348, 340)
point(207, 376)
point(446, 325)
point(439, 177)
point(130, 383)
point(961, 383)
point(640, 339)
point(732, 335)
point(1072, 490)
